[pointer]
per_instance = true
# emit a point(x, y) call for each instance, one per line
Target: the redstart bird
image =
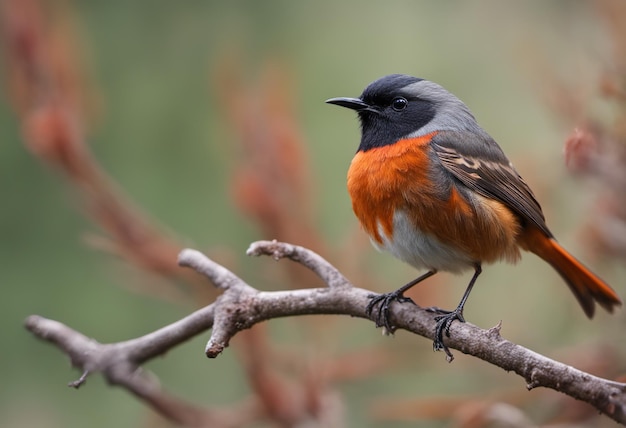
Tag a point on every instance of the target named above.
point(430, 186)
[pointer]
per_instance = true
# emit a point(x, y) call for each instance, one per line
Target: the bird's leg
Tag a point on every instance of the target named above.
point(445, 320)
point(384, 301)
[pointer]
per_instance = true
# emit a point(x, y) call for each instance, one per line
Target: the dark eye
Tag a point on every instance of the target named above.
point(399, 103)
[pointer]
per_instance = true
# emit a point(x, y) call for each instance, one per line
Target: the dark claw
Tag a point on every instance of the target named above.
point(443, 324)
point(383, 301)
point(445, 320)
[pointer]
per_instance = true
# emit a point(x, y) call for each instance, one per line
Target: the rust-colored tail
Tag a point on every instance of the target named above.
point(585, 285)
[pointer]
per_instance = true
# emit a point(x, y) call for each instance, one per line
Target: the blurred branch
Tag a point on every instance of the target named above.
point(50, 95)
point(53, 99)
point(596, 149)
point(241, 306)
point(271, 182)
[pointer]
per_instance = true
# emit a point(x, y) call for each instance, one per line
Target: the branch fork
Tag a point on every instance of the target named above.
point(240, 306)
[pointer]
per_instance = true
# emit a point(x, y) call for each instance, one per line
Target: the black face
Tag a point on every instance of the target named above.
point(387, 112)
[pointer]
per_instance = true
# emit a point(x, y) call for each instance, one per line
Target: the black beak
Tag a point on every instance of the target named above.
point(351, 103)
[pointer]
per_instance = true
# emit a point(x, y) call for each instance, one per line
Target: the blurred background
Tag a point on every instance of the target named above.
point(130, 130)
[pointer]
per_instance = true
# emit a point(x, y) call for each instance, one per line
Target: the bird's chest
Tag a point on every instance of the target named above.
point(386, 179)
point(409, 205)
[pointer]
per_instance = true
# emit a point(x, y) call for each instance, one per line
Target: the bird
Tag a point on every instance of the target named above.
point(429, 185)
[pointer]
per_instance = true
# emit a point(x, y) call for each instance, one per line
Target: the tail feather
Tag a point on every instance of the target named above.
point(586, 286)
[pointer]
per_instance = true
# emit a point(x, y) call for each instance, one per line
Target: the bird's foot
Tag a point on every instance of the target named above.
point(381, 304)
point(444, 322)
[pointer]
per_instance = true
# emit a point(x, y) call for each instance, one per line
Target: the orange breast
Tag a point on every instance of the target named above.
point(379, 177)
point(399, 177)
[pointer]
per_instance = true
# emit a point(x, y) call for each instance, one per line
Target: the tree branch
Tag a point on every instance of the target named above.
point(241, 306)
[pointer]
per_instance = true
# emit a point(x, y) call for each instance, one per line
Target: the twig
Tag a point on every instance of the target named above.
point(241, 306)
point(279, 250)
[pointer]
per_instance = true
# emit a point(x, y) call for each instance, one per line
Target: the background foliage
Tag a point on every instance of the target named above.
point(187, 105)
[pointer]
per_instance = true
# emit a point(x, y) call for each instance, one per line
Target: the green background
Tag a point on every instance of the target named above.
point(162, 136)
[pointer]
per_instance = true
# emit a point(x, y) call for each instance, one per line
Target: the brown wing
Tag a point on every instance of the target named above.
point(491, 174)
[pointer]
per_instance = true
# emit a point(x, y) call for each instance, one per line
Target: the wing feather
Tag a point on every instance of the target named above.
point(491, 174)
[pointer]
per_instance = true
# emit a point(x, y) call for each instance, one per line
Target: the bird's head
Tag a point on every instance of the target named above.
point(398, 106)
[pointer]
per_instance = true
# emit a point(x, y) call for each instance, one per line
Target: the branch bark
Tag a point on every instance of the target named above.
point(240, 306)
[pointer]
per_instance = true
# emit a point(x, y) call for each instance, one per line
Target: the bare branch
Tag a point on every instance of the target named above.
point(241, 306)
point(119, 364)
point(327, 272)
point(217, 274)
